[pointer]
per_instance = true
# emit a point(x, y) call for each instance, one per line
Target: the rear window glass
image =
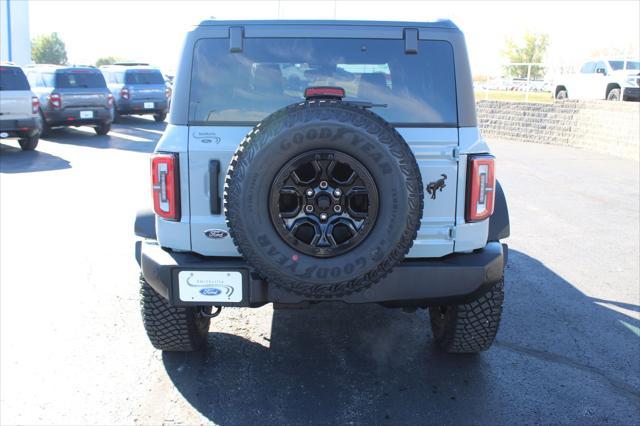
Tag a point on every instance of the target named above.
point(73, 79)
point(13, 79)
point(271, 73)
point(143, 77)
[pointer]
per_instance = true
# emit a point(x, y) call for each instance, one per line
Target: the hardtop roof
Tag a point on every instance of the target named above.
point(440, 23)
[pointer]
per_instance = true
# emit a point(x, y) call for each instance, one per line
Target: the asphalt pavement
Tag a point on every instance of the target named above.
point(73, 350)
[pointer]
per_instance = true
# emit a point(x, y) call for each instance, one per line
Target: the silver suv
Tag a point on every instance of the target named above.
point(72, 96)
point(311, 161)
point(137, 89)
point(19, 108)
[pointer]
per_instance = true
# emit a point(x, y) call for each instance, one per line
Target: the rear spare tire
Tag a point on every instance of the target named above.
point(323, 198)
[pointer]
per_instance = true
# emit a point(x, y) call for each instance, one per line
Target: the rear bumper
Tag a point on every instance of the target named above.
point(417, 282)
point(631, 94)
point(138, 106)
point(26, 127)
point(71, 117)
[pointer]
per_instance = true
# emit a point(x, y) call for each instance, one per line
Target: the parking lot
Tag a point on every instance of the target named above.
point(73, 350)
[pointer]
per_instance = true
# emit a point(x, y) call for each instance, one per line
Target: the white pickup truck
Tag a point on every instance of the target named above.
point(611, 79)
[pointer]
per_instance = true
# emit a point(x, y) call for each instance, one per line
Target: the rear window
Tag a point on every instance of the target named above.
point(143, 77)
point(13, 79)
point(268, 74)
point(72, 79)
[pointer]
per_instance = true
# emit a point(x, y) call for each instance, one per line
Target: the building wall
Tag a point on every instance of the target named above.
point(15, 44)
point(602, 126)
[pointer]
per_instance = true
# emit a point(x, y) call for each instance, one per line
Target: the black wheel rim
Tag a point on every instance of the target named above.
point(323, 203)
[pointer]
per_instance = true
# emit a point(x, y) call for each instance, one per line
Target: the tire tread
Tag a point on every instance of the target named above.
point(171, 328)
point(469, 327)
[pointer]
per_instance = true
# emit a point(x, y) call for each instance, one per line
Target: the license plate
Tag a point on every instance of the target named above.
point(86, 114)
point(148, 105)
point(210, 286)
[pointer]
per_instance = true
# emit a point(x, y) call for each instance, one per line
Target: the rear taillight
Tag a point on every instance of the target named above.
point(165, 185)
point(167, 92)
point(55, 101)
point(35, 104)
point(124, 93)
point(480, 187)
point(109, 100)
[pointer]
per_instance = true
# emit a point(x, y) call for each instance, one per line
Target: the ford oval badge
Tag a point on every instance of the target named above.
point(210, 291)
point(216, 233)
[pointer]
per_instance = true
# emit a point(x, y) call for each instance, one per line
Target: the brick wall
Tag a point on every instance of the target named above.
point(601, 126)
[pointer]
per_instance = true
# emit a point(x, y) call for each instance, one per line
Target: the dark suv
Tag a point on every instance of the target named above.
point(72, 96)
point(312, 161)
point(137, 89)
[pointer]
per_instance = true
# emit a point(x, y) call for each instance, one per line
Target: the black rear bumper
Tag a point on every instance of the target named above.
point(631, 94)
point(137, 107)
point(414, 282)
point(72, 117)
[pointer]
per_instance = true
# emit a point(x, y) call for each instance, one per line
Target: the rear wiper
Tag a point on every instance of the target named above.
point(366, 104)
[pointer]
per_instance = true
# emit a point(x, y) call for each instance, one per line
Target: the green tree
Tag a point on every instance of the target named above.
point(107, 60)
point(48, 49)
point(531, 49)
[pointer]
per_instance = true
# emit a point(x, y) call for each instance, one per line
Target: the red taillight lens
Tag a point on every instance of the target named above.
point(124, 93)
point(35, 104)
point(165, 185)
point(481, 184)
point(55, 101)
point(109, 100)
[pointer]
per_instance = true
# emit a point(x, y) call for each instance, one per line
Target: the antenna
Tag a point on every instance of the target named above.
point(278, 9)
point(335, 8)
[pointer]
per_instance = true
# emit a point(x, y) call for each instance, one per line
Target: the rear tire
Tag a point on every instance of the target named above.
point(160, 117)
point(46, 130)
point(171, 328)
point(613, 95)
point(469, 327)
point(29, 144)
point(103, 129)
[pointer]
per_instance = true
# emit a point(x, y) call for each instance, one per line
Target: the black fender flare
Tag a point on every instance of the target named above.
point(499, 220)
point(144, 227)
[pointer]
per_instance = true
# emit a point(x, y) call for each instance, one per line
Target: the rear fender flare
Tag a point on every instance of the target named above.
point(499, 221)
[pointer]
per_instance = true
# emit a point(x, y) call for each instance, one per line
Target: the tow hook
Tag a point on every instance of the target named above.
point(210, 315)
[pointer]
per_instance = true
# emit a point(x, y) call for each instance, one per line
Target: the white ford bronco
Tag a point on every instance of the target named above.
point(312, 161)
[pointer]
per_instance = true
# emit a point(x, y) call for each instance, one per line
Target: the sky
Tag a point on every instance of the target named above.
point(152, 31)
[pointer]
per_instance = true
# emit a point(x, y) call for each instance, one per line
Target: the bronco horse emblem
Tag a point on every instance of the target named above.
point(435, 186)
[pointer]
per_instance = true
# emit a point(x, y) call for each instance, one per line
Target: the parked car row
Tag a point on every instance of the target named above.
point(37, 98)
point(515, 84)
